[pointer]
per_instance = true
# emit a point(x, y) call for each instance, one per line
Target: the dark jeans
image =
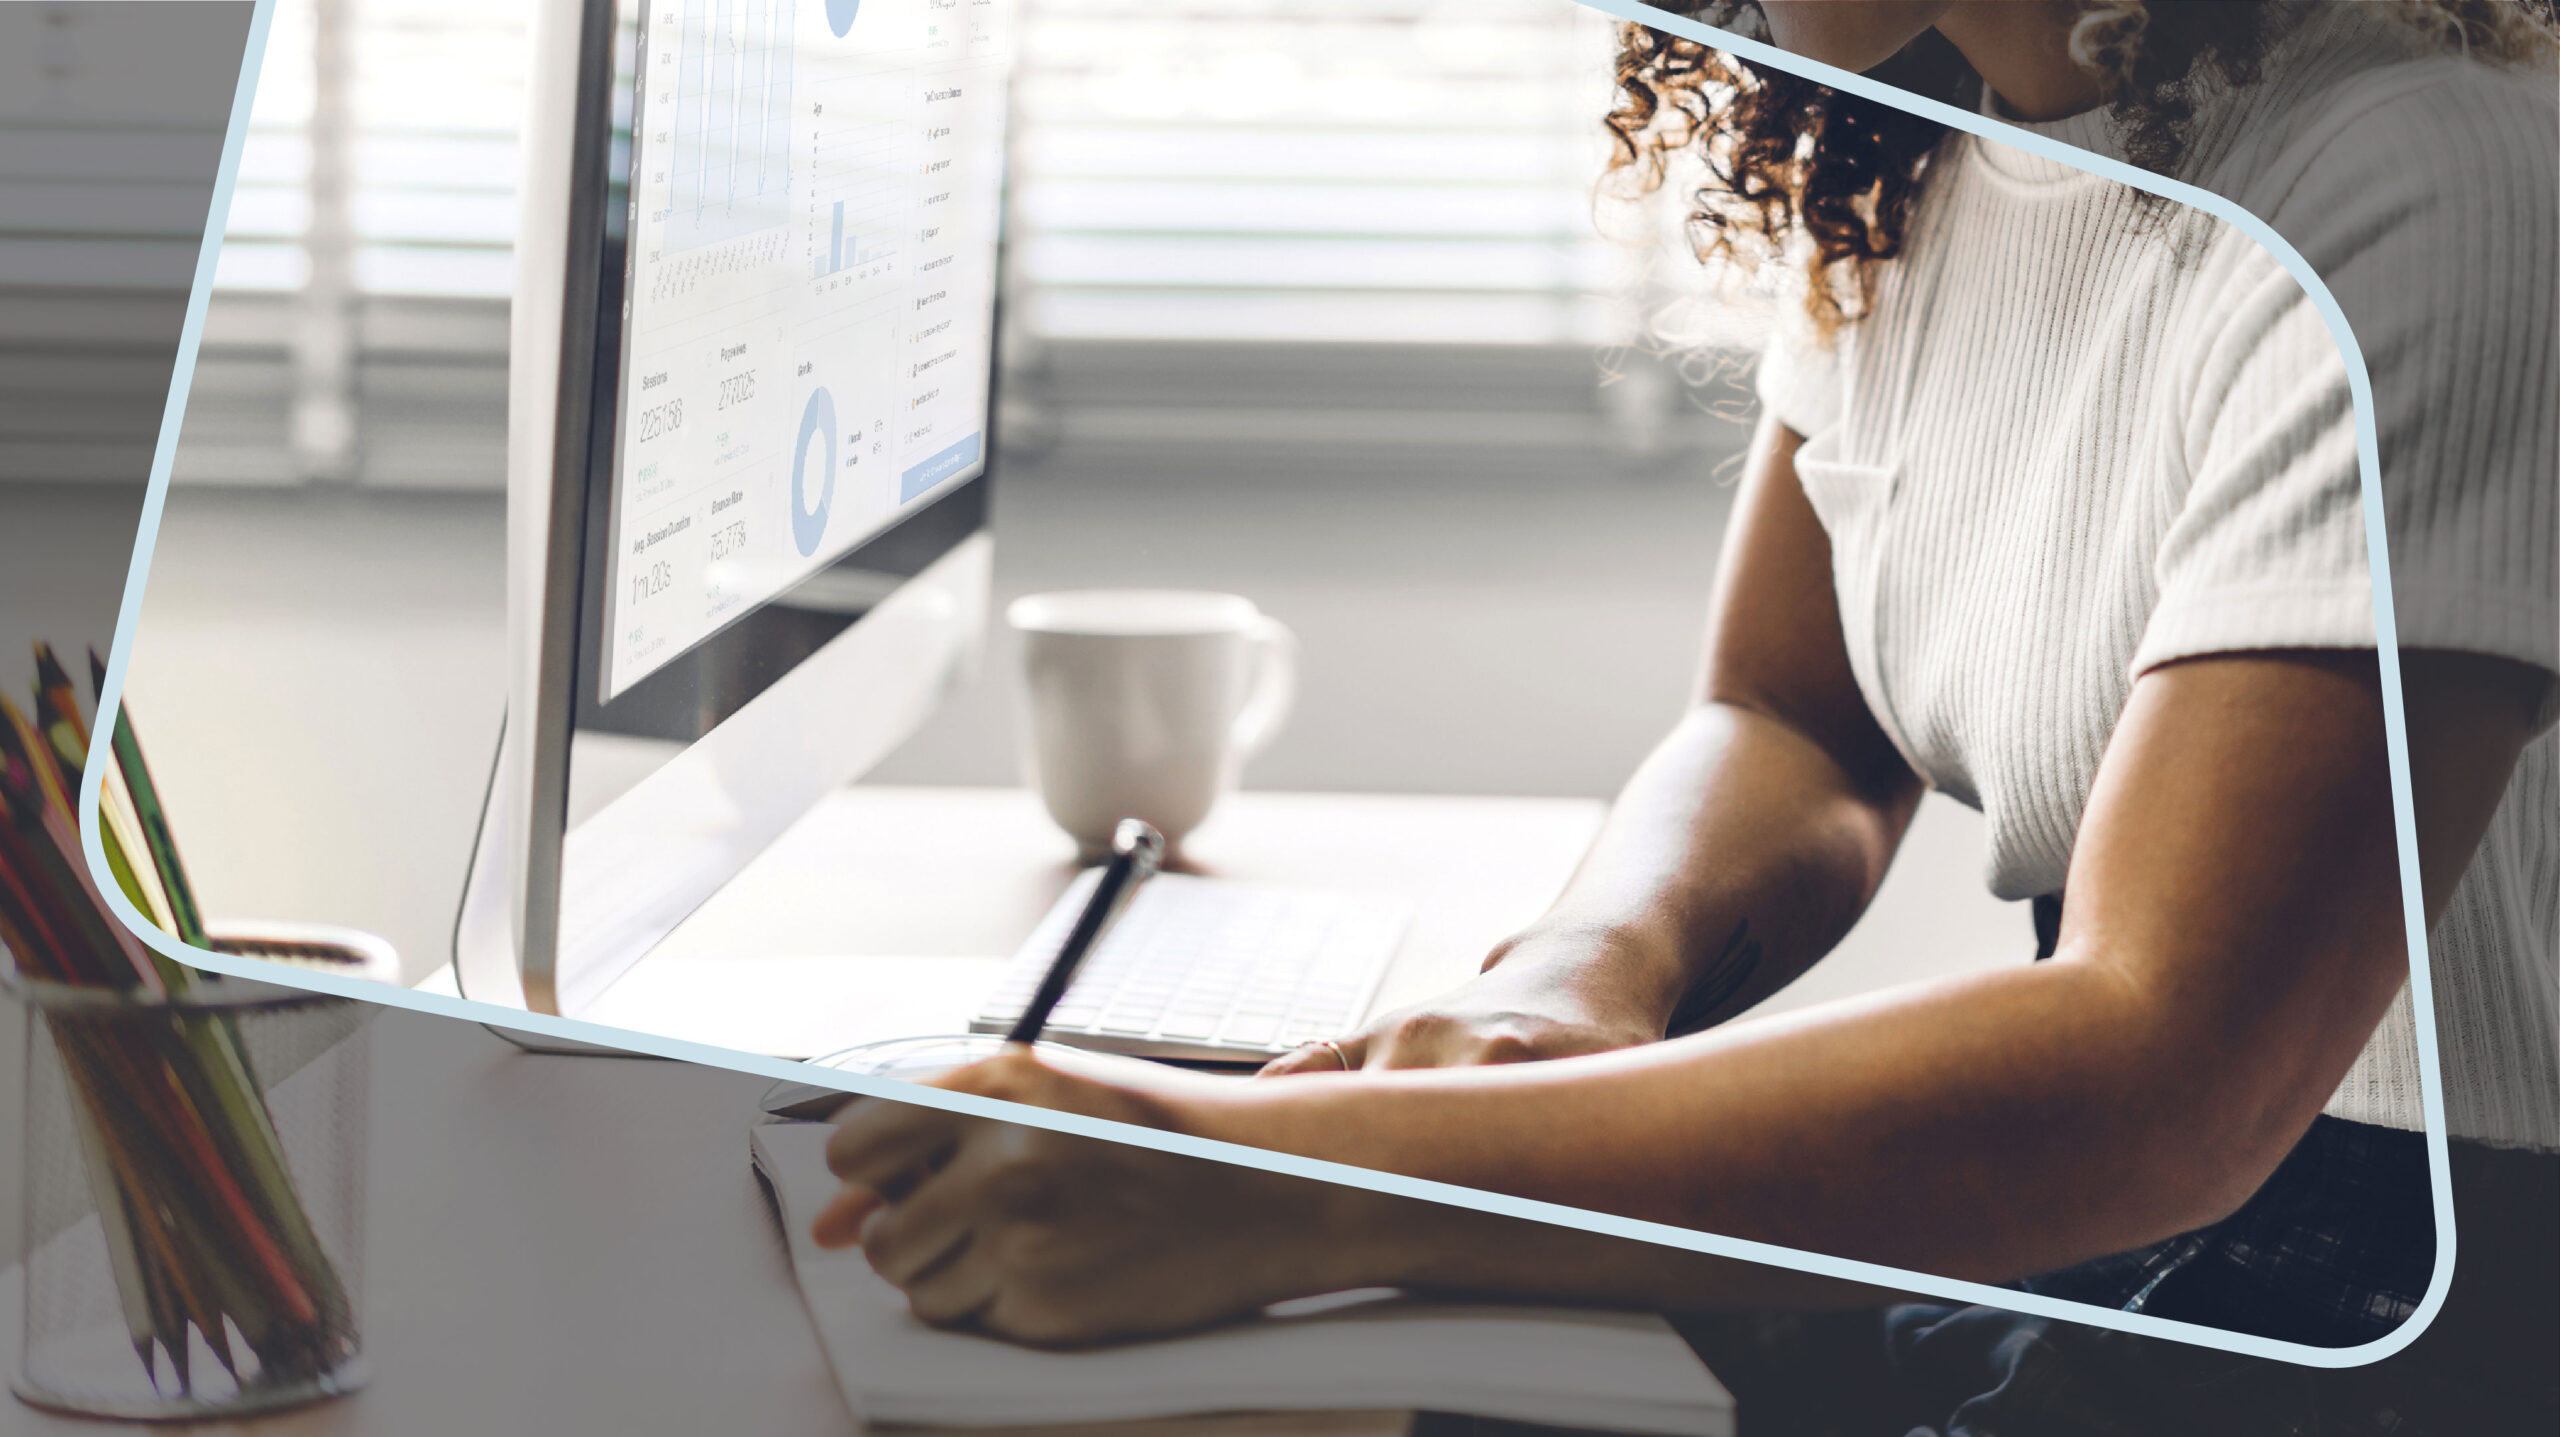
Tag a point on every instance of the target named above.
point(2335, 1249)
point(2485, 1367)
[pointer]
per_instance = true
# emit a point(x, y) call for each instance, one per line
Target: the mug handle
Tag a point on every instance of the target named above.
point(1275, 687)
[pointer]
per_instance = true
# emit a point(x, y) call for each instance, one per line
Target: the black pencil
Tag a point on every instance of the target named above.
point(1137, 850)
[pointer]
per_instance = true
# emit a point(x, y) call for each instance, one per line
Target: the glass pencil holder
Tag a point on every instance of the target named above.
point(193, 1199)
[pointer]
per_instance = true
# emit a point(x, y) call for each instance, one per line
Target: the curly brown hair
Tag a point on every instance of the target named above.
point(1787, 158)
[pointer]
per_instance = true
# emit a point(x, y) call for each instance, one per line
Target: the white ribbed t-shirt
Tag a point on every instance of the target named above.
point(2080, 435)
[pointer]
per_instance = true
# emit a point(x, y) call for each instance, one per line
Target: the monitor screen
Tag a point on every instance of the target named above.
point(808, 301)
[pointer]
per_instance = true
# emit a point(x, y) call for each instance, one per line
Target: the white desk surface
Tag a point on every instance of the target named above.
point(559, 1245)
point(889, 911)
point(575, 1244)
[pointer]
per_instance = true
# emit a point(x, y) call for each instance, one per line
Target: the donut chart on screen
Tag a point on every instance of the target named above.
point(808, 520)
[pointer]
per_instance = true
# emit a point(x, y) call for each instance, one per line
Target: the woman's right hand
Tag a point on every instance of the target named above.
point(1541, 995)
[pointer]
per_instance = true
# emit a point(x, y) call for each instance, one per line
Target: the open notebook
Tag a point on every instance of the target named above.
point(1612, 1371)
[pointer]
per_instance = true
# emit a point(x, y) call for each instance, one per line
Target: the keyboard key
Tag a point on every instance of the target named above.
point(1214, 965)
point(1250, 1032)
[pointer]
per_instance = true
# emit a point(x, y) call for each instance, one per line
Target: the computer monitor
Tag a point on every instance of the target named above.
point(751, 391)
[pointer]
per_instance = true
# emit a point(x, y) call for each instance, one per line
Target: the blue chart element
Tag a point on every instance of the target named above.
point(940, 467)
point(809, 521)
point(840, 15)
point(840, 251)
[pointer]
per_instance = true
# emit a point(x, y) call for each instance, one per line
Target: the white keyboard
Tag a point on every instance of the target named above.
point(1209, 969)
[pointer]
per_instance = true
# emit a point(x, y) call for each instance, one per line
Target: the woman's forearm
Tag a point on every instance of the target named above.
point(2234, 937)
point(1985, 1127)
point(1737, 855)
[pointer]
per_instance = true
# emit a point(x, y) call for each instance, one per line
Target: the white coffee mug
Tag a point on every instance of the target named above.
point(1145, 703)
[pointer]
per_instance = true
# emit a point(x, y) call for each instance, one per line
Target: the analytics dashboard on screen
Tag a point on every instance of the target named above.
point(809, 304)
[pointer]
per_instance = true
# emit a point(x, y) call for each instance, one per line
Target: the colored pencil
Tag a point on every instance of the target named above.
point(163, 845)
point(57, 712)
point(206, 1233)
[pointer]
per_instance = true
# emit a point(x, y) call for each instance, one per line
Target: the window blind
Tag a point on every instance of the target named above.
point(358, 327)
point(1346, 170)
point(1272, 237)
point(106, 164)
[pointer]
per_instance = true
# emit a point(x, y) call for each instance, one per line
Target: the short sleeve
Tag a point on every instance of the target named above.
point(2431, 212)
point(2268, 549)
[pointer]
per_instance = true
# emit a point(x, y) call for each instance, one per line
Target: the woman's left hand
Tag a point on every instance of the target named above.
point(1055, 1239)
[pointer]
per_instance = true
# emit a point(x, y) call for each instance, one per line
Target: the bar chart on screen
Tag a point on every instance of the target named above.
point(860, 205)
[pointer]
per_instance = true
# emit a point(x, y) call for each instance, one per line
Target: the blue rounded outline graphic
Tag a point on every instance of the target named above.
point(2422, 996)
point(809, 525)
point(840, 15)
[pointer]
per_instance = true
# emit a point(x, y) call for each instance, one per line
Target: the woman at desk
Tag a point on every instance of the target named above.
point(2055, 506)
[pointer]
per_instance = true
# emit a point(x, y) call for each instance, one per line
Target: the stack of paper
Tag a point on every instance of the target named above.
point(1612, 1371)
